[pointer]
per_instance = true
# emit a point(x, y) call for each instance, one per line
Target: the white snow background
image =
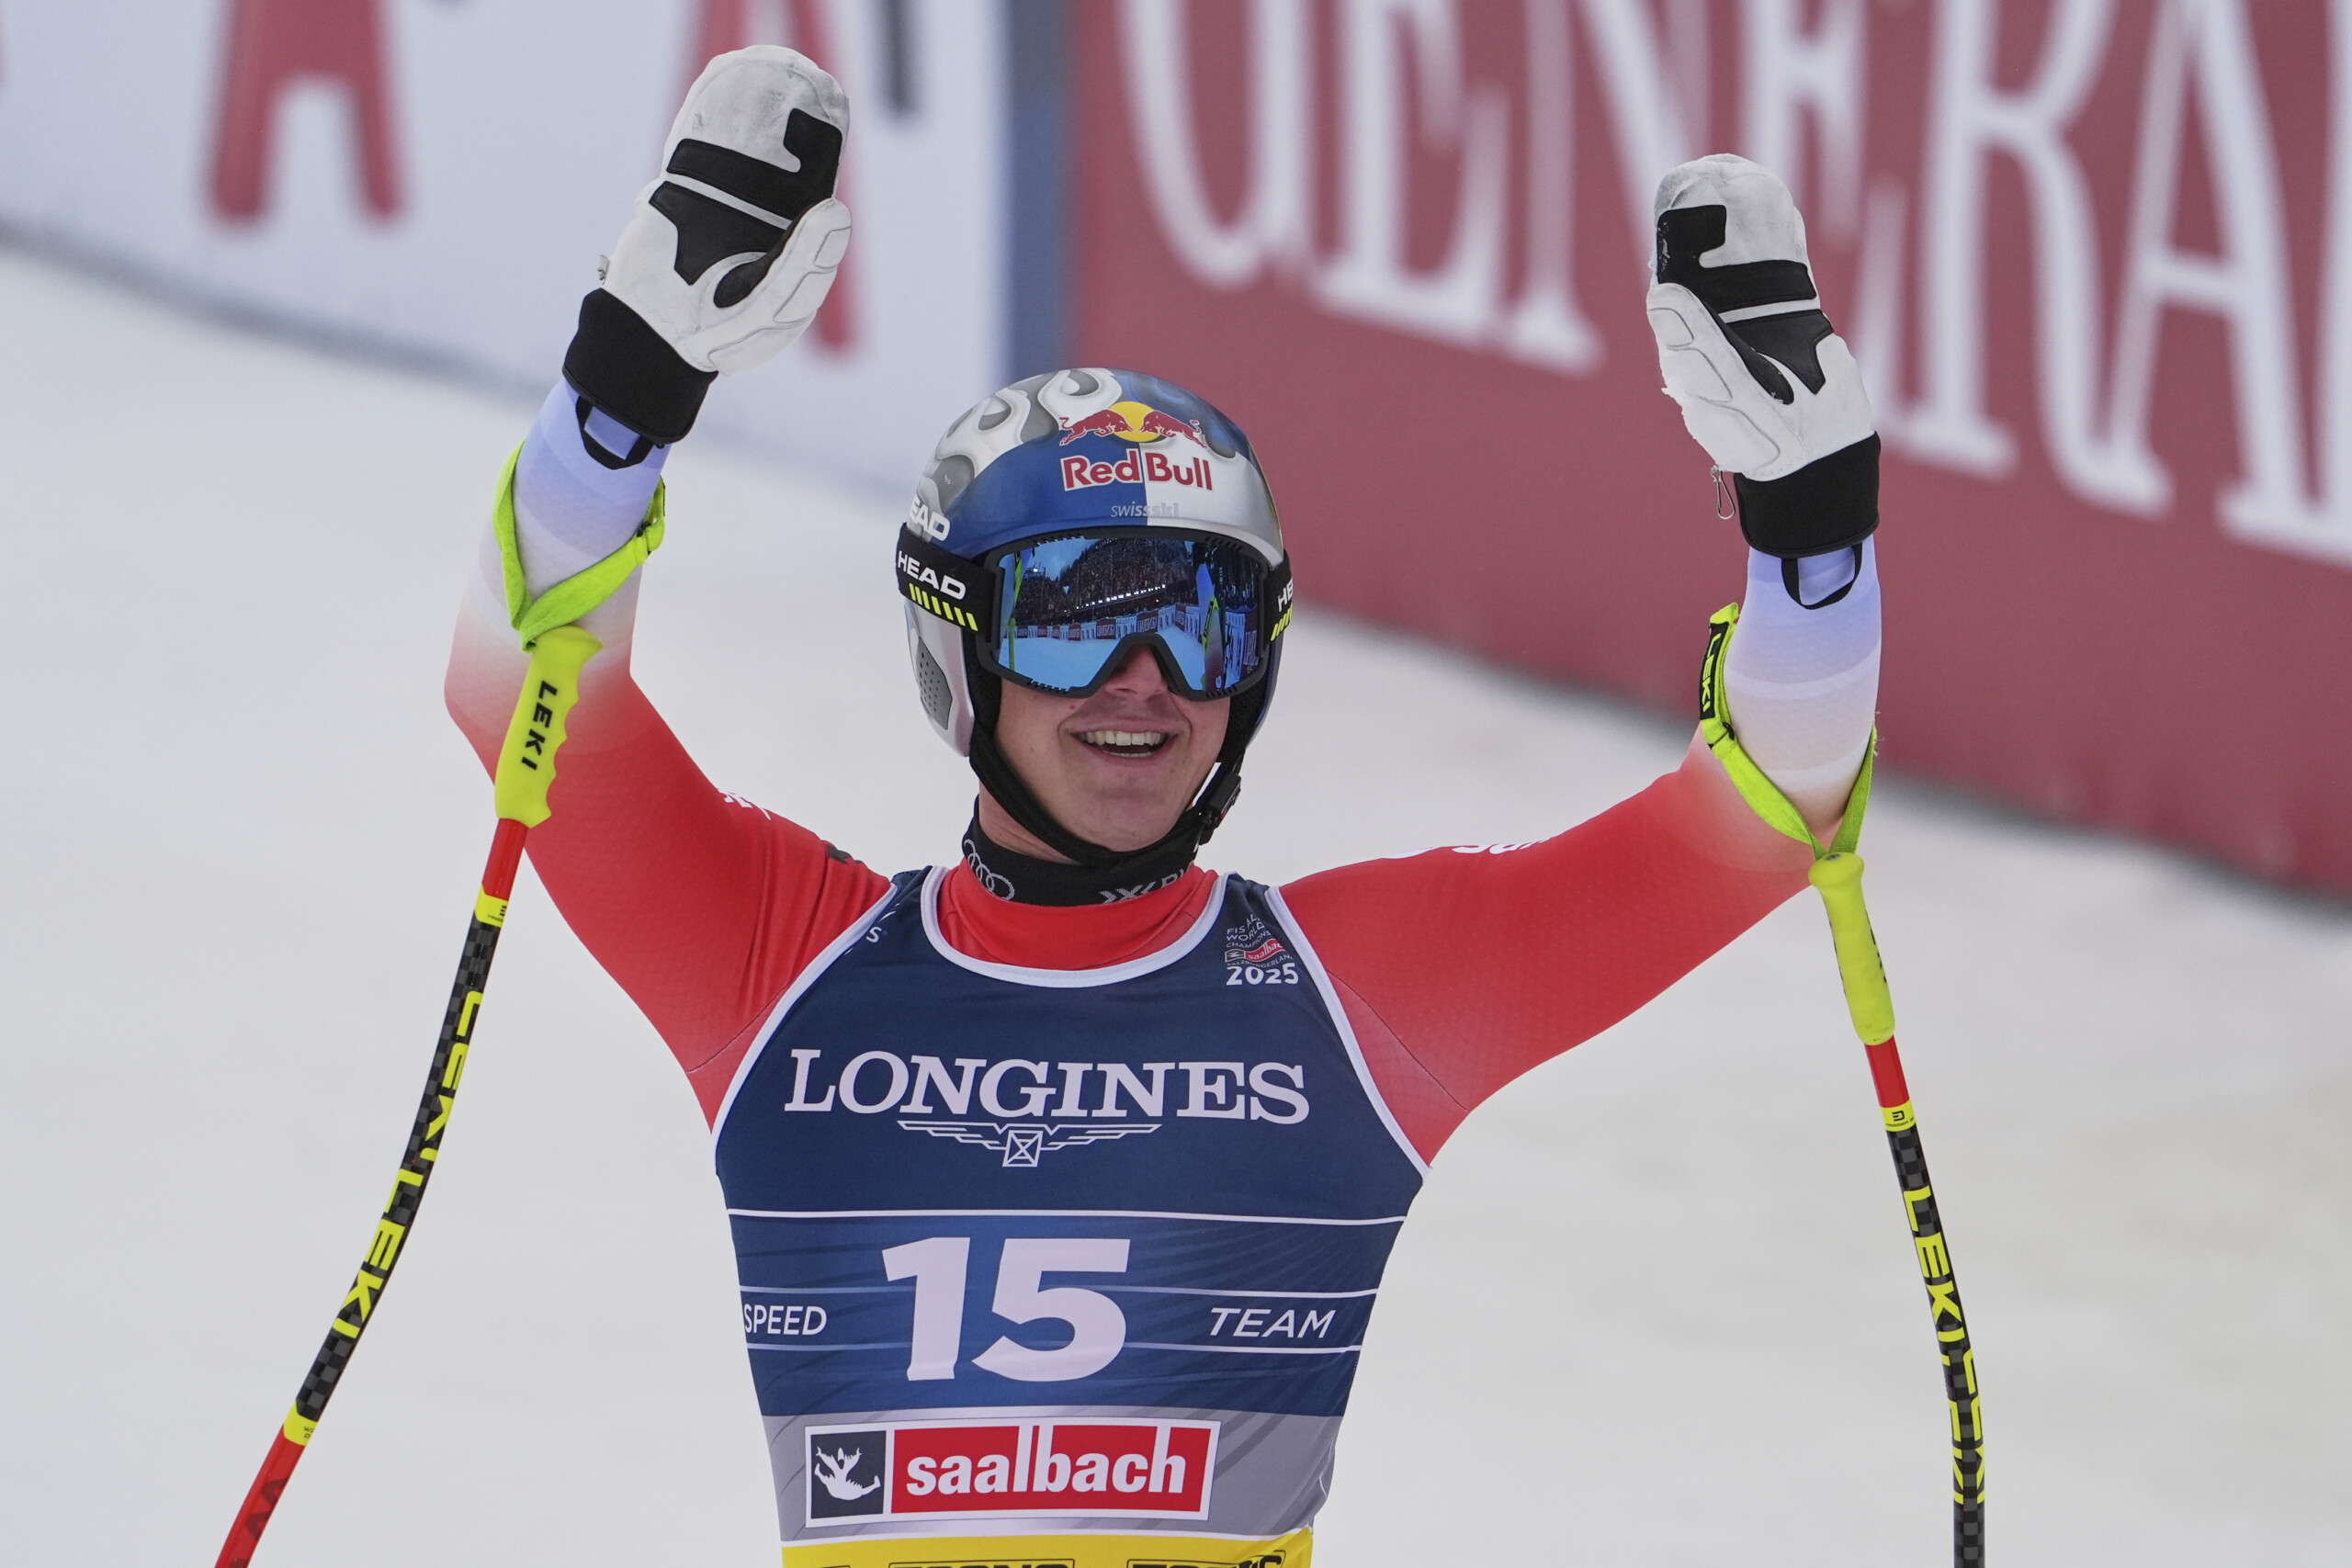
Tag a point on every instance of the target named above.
point(1656, 1308)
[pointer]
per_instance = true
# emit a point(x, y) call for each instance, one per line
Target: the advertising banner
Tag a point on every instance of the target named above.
point(2095, 258)
point(438, 177)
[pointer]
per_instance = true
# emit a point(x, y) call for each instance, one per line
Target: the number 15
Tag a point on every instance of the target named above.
point(937, 1265)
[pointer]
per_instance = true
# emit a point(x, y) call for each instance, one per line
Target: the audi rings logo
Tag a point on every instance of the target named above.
point(995, 881)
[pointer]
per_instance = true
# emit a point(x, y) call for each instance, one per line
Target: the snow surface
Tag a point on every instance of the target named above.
point(1656, 1306)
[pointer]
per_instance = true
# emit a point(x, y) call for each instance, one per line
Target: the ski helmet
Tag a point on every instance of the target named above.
point(1063, 523)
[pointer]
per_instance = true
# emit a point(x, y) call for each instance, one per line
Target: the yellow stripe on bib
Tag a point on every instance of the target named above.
point(1295, 1549)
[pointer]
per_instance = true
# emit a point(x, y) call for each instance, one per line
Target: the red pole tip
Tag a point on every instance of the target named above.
point(1886, 1072)
point(505, 858)
point(261, 1502)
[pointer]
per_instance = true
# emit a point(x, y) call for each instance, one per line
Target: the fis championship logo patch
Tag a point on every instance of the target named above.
point(1251, 942)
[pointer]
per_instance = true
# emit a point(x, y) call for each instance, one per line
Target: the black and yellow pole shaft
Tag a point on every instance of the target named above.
point(1838, 876)
point(525, 769)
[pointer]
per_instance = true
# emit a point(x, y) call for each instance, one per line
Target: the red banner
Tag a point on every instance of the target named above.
point(2096, 260)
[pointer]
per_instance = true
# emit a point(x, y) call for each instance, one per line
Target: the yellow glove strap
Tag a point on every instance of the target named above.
point(1761, 794)
point(582, 592)
point(1837, 869)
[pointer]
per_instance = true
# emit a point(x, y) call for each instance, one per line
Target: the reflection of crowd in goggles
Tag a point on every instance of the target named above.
point(1070, 603)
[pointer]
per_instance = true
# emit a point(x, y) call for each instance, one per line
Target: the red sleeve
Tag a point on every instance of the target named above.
point(1461, 969)
point(702, 906)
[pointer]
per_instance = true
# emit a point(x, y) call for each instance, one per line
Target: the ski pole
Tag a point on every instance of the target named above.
point(525, 769)
point(1839, 876)
point(1838, 873)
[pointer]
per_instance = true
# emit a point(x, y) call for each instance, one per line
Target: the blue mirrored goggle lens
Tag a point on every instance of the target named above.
point(1067, 605)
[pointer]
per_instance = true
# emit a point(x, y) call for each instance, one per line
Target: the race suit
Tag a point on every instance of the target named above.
point(1059, 1228)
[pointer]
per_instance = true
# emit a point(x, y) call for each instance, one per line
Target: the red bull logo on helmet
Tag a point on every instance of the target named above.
point(1137, 468)
point(1129, 421)
point(1143, 425)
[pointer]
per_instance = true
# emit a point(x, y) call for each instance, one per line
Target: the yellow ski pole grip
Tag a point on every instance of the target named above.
point(527, 758)
point(1839, 878)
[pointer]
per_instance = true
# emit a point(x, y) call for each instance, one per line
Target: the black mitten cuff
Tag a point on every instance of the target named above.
point(622, 366)
point(1831, 504)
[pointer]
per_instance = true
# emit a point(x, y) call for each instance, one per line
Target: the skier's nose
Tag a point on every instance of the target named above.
point(1140, 676)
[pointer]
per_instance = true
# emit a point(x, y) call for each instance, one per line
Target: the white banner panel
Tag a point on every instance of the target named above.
point(439, 176)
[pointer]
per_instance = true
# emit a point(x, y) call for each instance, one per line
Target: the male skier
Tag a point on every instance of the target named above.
point(1062, 1175)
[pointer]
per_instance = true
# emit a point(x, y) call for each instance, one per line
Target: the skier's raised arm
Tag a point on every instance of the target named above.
point(1462, 969)
point(672, 886)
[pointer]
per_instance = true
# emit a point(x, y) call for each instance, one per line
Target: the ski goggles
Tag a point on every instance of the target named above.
point(1062, 613)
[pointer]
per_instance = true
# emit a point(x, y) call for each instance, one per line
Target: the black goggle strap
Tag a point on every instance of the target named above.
point(942, 583)
point(1278, 593)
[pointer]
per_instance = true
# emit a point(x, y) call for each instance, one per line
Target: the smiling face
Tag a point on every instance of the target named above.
point(1116, 767)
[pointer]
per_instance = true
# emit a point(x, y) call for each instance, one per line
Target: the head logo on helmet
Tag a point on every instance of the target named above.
point(999, 478)
point(922, 519)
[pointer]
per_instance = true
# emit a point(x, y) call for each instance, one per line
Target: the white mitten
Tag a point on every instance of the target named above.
point(1764, 383)
point(730, 251)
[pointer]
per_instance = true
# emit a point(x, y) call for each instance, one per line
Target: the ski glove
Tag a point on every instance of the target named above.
point(730, 251)
point(1765, 384)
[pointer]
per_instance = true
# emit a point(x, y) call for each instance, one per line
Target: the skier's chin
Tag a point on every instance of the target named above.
point(1122, 788)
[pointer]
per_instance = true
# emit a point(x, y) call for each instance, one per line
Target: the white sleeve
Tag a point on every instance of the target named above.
point(572, 510)
point(1802, 684)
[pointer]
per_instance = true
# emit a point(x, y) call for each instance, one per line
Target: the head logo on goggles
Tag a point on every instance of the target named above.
point(936, 581)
